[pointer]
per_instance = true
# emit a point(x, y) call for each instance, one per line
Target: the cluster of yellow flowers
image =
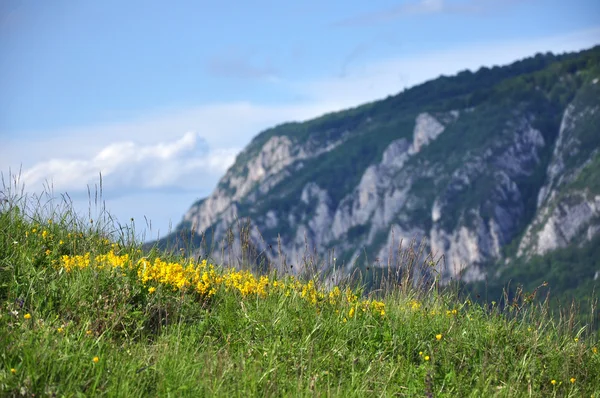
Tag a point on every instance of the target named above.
point(206, 280)
point(50, 240)
point(417, 306)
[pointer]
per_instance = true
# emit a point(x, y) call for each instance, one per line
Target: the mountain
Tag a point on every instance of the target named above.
point(489, 169)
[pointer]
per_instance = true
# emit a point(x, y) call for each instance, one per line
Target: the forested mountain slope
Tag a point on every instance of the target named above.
point(487, 169)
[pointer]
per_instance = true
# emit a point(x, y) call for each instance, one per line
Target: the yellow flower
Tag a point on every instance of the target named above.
point(576, 339)
point(13, 370)
point(427, 357)
point(345, 320)
point(96, 359)
point(152, 290)
point(88, 332)
point(438, 337)
point(60, 242)
point(414, 305)
point(48, 252)
point(421, 353)
point(351, 312)
point(454, 312)
point(553, 382)
point(572, 380)
point(60, 330)
point(44, 234)
point(595, 350)
point(27, 316)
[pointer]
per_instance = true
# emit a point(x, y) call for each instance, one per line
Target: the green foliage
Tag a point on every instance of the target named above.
point(587, 179)
point(569, 273)
point(357, 231)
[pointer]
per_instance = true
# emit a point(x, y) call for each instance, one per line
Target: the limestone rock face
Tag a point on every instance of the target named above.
point(567, 204)
point(479, 167)
point(427, 129)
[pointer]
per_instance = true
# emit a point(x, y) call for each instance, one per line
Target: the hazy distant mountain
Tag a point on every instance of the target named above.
point(490, 168)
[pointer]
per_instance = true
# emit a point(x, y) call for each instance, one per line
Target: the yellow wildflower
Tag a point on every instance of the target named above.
point(553, 382)
point(27, 316)
point(333, 295)
point(44, 234)
point(595, 350)
point(13, 370)
point(426, 357)
point(414, 305)
point(438, 337)
point(152, 290)
point(60, 330)
point(572, 380)
point(96, 359)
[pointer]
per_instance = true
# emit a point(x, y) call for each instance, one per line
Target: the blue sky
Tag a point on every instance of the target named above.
point(160, 96)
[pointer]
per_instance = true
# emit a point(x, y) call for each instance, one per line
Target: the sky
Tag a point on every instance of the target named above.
point(158, 97)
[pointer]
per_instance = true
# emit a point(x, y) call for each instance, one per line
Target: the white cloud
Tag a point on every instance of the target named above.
point(239, 64)
point(131, 165)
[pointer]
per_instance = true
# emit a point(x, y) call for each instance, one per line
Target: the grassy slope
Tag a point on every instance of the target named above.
point(100, 330)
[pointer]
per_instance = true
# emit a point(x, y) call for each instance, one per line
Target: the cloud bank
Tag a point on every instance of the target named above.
point(130, 165)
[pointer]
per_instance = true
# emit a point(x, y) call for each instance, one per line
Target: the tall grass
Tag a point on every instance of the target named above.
point(85, 311)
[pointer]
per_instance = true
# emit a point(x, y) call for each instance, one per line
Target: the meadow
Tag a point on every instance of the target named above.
point(85, 311)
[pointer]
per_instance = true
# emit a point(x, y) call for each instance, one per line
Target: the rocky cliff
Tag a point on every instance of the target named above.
point(483, 167)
